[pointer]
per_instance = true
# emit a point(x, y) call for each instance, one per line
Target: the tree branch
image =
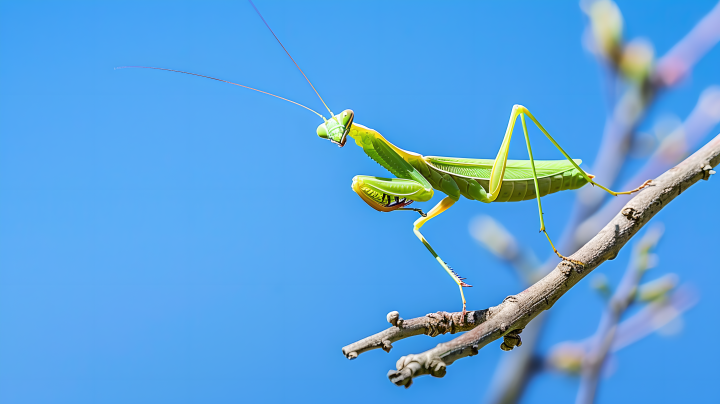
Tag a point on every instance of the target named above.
point(432, 324)
point(510, 317)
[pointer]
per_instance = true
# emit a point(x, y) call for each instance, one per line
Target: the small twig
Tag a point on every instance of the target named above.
point(432, 324)
point(516, 311)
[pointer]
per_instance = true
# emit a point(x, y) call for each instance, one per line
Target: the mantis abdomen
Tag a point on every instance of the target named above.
point(517, 185)
point(522, 190)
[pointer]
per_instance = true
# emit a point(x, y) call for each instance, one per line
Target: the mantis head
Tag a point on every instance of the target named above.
point(336, 128)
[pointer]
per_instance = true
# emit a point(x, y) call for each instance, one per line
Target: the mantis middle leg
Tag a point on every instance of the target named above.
point(498, 169)
point(445, 204)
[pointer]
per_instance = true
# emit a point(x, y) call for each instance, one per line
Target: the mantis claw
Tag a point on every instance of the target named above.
point(423, 214)
point(564, 258)
point(459, 278)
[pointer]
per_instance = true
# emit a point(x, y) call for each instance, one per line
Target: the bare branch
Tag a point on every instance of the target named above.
point(515, 312)
point(432, 324)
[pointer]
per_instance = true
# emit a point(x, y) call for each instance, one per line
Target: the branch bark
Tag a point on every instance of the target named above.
point(432, 324)
point(510, 317)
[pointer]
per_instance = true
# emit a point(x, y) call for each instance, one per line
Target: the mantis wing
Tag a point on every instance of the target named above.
point(515, 169)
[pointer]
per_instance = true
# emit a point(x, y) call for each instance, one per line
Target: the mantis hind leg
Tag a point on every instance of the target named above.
point(537, 191)
point(498, 169)
point(524, 111)
point(445, 204)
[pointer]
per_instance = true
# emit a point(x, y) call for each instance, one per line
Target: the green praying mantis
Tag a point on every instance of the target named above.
point(417, 177)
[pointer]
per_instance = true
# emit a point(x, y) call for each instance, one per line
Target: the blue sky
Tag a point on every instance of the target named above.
point(171, 239)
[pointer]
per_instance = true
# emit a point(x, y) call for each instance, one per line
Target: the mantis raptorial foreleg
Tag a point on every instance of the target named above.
point(445, 204)
point(498, 169)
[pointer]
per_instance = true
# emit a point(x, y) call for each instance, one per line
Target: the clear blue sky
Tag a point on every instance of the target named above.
point(170, 239)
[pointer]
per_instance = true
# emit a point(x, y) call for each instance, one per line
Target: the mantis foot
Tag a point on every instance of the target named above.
point(646, 183)
point(423, 214)
point(461, 282)
point(564, 258)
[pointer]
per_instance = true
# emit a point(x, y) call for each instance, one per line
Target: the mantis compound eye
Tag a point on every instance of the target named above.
point(346, 118)
point(322, 131)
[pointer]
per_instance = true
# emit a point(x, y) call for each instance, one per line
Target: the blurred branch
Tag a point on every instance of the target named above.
point(515, 370)
point(632, 106)
point(678, 62)
point(621, 300)
point(569, 356)
point(654, 316)
point(512, 315)
point(498, 240)
point(673, 148)
point(612, 155)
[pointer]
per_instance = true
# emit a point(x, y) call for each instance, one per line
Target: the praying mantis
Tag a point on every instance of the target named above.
point(417, 177)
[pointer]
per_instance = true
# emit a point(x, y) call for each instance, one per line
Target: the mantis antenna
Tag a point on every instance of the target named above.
point(291, 58)
point(224, 81)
